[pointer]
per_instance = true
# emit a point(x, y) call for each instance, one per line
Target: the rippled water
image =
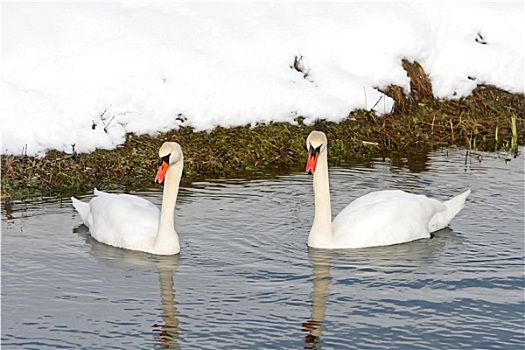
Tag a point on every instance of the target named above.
point(245, 278)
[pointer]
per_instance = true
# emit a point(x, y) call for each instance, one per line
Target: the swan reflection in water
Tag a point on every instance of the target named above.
point(321, 261)
point(167, 332)
point(400, 261)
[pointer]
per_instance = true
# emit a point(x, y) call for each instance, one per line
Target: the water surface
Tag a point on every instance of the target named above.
point(245, 278)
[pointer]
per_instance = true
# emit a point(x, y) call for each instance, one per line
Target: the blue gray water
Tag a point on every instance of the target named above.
point(245, 278)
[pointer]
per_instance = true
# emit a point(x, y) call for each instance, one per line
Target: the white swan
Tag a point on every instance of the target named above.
point(131, 222)
point(375, 219)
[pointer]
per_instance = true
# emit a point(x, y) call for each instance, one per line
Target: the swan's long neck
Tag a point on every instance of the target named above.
point(166, 234)
point(322, 225)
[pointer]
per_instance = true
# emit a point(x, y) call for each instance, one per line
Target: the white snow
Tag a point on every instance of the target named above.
point(71, 69)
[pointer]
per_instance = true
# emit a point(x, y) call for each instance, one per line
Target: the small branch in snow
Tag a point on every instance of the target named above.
point(480, 39)
point(106, 126)
point(377, 102)
point(73, 151)
point(103, 119)
point(104, 112)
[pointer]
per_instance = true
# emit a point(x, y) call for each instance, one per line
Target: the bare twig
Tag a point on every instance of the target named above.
point(106, 126)
point(105, 112)
point(375, 104)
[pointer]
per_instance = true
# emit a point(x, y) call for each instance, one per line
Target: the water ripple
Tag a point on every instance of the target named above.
point(245, 278)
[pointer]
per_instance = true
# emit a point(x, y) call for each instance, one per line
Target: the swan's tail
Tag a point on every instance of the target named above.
point(82, 209)
point(454, 206)
point(97, 192)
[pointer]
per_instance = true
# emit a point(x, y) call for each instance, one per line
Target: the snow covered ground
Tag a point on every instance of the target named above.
point(88, 73)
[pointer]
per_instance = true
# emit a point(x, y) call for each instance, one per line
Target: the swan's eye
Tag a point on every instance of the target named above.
point(165, 159)
point(316, 150)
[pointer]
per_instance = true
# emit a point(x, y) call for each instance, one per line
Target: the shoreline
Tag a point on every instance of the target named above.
point(490, 119)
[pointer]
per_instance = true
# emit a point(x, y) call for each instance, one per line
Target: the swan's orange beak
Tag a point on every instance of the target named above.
point(313, 155)
point(162, 171)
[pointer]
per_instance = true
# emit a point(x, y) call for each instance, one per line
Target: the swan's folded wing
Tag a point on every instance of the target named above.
point(118, 219)
point(384, 218)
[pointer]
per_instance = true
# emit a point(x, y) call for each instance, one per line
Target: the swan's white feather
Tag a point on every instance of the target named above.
point(114, 214)
point(131, 222)
point(385, 218)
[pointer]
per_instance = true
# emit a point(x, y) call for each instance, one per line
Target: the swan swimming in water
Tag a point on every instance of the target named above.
point(375, 219)
point(130, 222)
